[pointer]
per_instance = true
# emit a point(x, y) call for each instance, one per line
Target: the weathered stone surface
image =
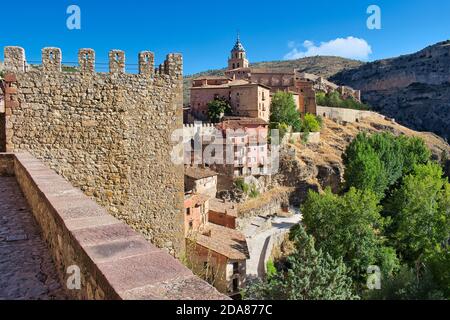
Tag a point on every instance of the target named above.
point(26, 266)
point(141, 270)
point(120, 249)
point(107, 133)
point(111, 256)
point(189, 288)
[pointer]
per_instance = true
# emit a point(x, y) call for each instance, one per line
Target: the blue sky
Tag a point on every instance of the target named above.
point(205, 31)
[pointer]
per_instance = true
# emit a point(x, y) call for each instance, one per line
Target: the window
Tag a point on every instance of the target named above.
point(191, 224)
point(235, 267)
point(188, 211)
point(238, 64)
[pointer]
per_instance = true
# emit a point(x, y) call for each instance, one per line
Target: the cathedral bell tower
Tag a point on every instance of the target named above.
point(238, 57)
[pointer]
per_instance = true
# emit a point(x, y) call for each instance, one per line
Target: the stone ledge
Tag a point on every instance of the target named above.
point(115, 261)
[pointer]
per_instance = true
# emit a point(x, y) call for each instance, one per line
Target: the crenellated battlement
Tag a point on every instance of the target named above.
point(106, 132)
point(199, 124)
point(52, 60)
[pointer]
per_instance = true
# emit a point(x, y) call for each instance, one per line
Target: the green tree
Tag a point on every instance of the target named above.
point(284, 110)
point(420, 210)
point(414, 152)
point(377, 162)
point(363, 168)
point(438, 265)
point(310, 275)
point(407, 285)
point(349, 226)
point(389, 150)
point(217, 108)
point(335, 100)
point(311, 123)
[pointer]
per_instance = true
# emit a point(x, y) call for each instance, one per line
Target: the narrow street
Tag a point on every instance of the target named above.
point(260, 243)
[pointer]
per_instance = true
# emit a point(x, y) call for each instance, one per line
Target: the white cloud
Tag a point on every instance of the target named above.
point(350, 47)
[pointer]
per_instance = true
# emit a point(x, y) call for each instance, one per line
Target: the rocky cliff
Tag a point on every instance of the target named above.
point(414, 89)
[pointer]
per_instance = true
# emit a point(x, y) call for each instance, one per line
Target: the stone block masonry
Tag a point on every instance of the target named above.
point(114, 261)
point(107, 133)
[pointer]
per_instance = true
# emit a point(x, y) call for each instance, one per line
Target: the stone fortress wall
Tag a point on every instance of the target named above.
point(106, 133)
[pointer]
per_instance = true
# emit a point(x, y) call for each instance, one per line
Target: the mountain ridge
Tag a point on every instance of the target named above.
point(414, 88)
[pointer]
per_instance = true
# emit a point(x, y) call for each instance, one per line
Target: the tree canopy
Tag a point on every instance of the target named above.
point(349, 226)
point(420, 210)
point(377, 162)
point(284, 110)
point(335, 100)
point(217, 108)
point(310, 275)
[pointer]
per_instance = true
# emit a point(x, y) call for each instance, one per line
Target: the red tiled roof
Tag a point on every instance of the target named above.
point(199, 173)
point(212, 78)
point(225, 241)
point(241, 122)
point(221, 206)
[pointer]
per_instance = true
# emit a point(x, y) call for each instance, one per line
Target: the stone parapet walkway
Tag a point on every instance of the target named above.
point(26, 267)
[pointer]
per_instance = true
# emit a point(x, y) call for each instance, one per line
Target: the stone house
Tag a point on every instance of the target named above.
point(222, 213)
point(215, 252)
point(196, 207)
point(322, 84)
point(246, 99)
point(200, 180)
point(219, 254)
point(246, 148)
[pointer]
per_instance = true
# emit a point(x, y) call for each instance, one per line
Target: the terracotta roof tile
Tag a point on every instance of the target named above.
point(199, 173)
point(225, 241)
point(221, 206)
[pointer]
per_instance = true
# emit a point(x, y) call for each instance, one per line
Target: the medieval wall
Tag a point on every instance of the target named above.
point(107, 133)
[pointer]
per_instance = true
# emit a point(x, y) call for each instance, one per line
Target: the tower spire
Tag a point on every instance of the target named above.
point(238, 57)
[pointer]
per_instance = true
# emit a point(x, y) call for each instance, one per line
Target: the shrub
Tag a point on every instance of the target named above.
point(284, 110)
point(254, 193)
point(335, 100)
point(217, 108)
point(310, 123)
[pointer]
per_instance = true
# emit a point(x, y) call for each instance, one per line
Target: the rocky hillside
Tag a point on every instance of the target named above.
point(323, 66)
point(414, 89)
point(316, 166)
